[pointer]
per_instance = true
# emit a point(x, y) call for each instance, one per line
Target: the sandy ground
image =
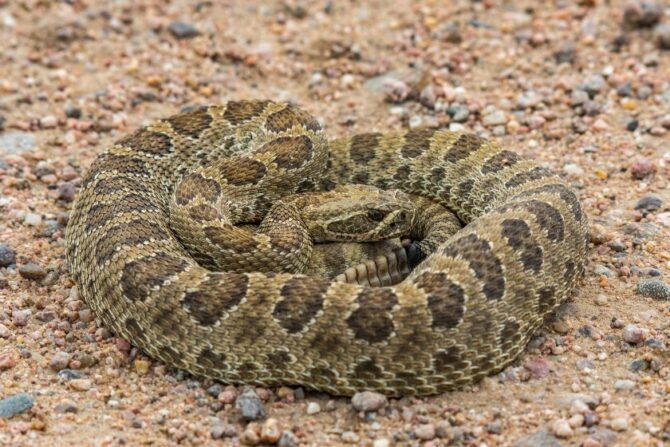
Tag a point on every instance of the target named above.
point(572, 84)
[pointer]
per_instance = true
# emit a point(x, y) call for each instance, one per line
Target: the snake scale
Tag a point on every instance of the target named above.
point(465, 312)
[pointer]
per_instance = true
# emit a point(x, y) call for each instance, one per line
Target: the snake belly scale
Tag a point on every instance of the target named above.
point(465, 312)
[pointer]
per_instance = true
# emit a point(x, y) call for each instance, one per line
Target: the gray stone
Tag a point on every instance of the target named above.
point(601, 270)
point(662, 34)
point(16, 404)
point(642, 13)
point(495, 118)
point(183, 30)
point(578, 97)
point(368, 401)
point(594, 85)
point(250, 405)
point(7, 256)
point(59, 360)
point(566, 54)
point(32, 271)
point(538, 439)
point(625, 90)
point(624, 385)
point(653, 288)
point(12, 143)
point(649, 202)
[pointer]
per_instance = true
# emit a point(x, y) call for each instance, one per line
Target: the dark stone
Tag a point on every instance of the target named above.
point(566, 54)
point(7, 255)
point(72, 112)
point(183, 30)
point(32, 271)
point(649, 203)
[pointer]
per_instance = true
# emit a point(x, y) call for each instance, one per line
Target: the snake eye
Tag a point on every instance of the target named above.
point(375, 215)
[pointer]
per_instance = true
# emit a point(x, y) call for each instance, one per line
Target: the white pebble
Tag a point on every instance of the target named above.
point(32, 219)
point(633, 334)
point(561, 428)
point(576, 421)
point(619, 424)
point(624, 385)
point(381, 443)
point(313, 408)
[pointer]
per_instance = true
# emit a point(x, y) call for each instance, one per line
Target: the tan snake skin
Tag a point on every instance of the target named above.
point(465, 312)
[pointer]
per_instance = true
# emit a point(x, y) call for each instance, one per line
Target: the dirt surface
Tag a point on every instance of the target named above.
point(581, 86)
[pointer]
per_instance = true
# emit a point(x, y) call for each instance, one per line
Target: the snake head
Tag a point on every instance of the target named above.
point(360, 213)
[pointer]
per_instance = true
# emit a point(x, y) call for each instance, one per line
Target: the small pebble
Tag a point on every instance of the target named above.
point(33, 219)
point(271, 431)
point(7, 361)
point(619, 424)
point(662, 34)
point(538, 439)
point(494, 427)
point(288, 439)
point(7, 256)
point(494, 118)
point(142, 366)
point(69, 374)
point(425, 432)
point(13, 405)
point(538, 368)
point(48, 122)
point(642, 13)
point(81, 384)
point(624, 385)
point(20, 317)
point(649, 202)
point(182, 30)
point(576, 421)
point(566, 54)
point(32, 271)
point(368, 401)
point(642, 169)
point(601, 300)
point(382, 442)
point(72, 112)
point(66, 192)
point(60, 360)
point(251, 434)
point(594, 85)
point(633, 334)
point(66, 406)
point(350, 437)
point(250, 405)
point(313, 408)
point(653, 288)
point(561, 428)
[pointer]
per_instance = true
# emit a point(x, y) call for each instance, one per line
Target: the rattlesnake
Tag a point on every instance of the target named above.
point(463, 313)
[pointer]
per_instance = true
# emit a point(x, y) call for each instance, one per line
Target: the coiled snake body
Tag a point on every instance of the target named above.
point(463, 313)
